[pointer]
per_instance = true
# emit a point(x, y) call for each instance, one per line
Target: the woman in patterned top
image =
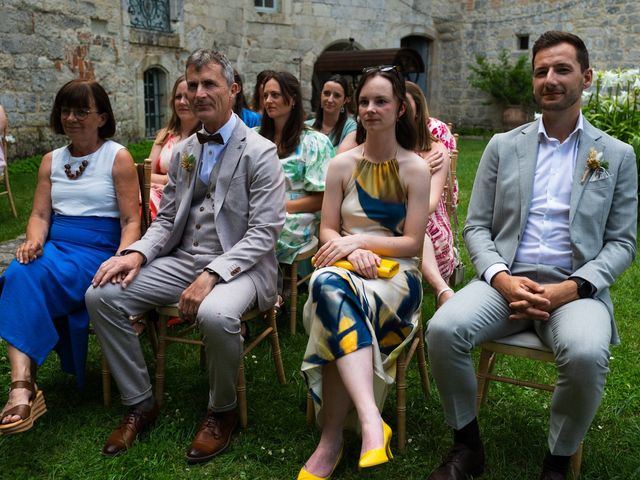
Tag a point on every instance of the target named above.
point(304, 154)
point(437, 253)
point(358, 322)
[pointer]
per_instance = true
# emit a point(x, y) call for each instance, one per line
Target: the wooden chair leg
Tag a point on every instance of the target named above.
point(203, 357)
point(7, 187)
point(576, 462)
point(422, 363)
point(152, 330)
point(241, 392)
point(275, 346)
point(106, 382)
point(310, 410)
point(293, 298)
point(487, 359)
point(160, 359)
point(401, 400)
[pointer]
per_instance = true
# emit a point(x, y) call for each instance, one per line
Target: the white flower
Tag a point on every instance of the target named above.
point(10, 138)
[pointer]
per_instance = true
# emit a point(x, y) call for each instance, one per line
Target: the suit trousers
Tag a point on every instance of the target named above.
point(161, 282)
point(578, 332)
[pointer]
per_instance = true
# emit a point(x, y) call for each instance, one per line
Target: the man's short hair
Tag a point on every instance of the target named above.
point(202, 57)
point(552, 38)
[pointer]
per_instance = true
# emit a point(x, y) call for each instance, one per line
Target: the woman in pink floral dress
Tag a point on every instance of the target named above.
point(182, 124)
point(437, 254)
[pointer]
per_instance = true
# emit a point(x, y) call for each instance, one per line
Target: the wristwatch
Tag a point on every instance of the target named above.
point(585, 288)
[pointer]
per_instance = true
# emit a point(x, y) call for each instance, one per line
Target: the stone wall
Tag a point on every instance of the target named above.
point(44, 43)
point(609, 28)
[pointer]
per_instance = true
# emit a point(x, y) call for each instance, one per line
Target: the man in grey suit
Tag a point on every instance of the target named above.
point(551, 224)
point(211, 249)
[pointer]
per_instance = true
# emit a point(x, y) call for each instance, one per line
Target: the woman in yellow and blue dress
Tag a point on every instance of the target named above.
point(357, 322)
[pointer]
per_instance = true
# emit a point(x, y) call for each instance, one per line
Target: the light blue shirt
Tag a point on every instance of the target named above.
point(212, 151)
point(546, 239)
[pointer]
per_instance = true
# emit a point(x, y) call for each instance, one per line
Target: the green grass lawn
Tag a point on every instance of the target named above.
point(65, 443)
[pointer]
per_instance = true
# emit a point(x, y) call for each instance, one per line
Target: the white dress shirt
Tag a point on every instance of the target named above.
point(212, 151)
point(546, 239)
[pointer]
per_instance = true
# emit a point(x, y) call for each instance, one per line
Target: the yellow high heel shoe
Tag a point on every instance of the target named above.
point(304, 475)
point(378, 456)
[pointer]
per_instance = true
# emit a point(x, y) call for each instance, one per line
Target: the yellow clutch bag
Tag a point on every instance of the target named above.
point(387, 269)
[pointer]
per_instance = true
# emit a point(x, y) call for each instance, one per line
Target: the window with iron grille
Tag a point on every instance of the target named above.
point(150, 14)
point(154, 100)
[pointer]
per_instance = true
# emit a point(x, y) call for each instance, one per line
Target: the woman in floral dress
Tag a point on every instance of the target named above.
point(357, 322)
point(437, 255)
point(304, 154)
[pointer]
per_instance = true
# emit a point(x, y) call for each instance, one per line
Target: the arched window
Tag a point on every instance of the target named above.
point(154, 100)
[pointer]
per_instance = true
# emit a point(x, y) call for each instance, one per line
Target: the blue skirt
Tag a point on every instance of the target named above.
point(42, 303)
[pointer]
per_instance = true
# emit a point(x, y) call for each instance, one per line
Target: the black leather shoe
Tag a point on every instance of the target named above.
point(551, 475)
point(460, 463)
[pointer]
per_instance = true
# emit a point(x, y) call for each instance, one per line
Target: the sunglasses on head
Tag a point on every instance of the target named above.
point(382, 68)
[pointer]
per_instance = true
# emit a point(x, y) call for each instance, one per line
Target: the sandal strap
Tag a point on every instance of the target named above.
point(23, 411)
point(23, 384)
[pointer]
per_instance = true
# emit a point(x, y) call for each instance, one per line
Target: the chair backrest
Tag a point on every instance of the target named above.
point(4, 178)
point(144, 182)
point(449, 188)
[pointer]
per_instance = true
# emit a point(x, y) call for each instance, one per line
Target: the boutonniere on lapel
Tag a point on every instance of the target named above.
point(595, 164)
point(187, 161)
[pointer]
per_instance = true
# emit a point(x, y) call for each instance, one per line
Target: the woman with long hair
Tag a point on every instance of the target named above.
point(332, 116)
point(256, 99)
point(182, 124)
point(437, 253)
point(357, 321)
point(304, 154)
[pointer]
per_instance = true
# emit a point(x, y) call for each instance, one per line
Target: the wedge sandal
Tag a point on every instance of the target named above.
point(28, 413)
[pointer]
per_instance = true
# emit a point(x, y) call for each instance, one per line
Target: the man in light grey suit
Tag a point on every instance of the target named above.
point(551, 224)
point(211, 249)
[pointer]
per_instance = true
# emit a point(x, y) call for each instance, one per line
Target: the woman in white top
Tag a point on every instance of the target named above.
point(85, 209)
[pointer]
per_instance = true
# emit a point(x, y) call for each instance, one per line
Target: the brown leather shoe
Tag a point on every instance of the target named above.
point(460, 463)
point(133, 424)
point(214, 435)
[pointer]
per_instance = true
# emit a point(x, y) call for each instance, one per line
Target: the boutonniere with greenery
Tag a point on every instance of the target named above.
point(595, 164)
point(187, 161)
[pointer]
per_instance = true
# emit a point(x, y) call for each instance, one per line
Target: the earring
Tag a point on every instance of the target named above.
point(342, 109)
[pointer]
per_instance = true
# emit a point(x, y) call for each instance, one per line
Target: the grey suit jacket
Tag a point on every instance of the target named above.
point(603, 211)
point(249, 210)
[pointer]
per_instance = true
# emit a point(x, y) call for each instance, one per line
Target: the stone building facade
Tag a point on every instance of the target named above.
point(129, 43)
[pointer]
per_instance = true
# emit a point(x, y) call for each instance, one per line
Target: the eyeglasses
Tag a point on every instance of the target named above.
point(79, 114)
point(383, 68)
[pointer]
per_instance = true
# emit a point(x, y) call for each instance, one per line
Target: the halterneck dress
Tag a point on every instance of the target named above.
point(42, 302)
point(346, 312)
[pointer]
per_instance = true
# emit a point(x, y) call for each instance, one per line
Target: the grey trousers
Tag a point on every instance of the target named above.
point(579, 333)
point(161, 283)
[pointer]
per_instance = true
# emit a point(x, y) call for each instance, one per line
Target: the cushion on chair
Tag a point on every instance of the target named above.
point(526, 339)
